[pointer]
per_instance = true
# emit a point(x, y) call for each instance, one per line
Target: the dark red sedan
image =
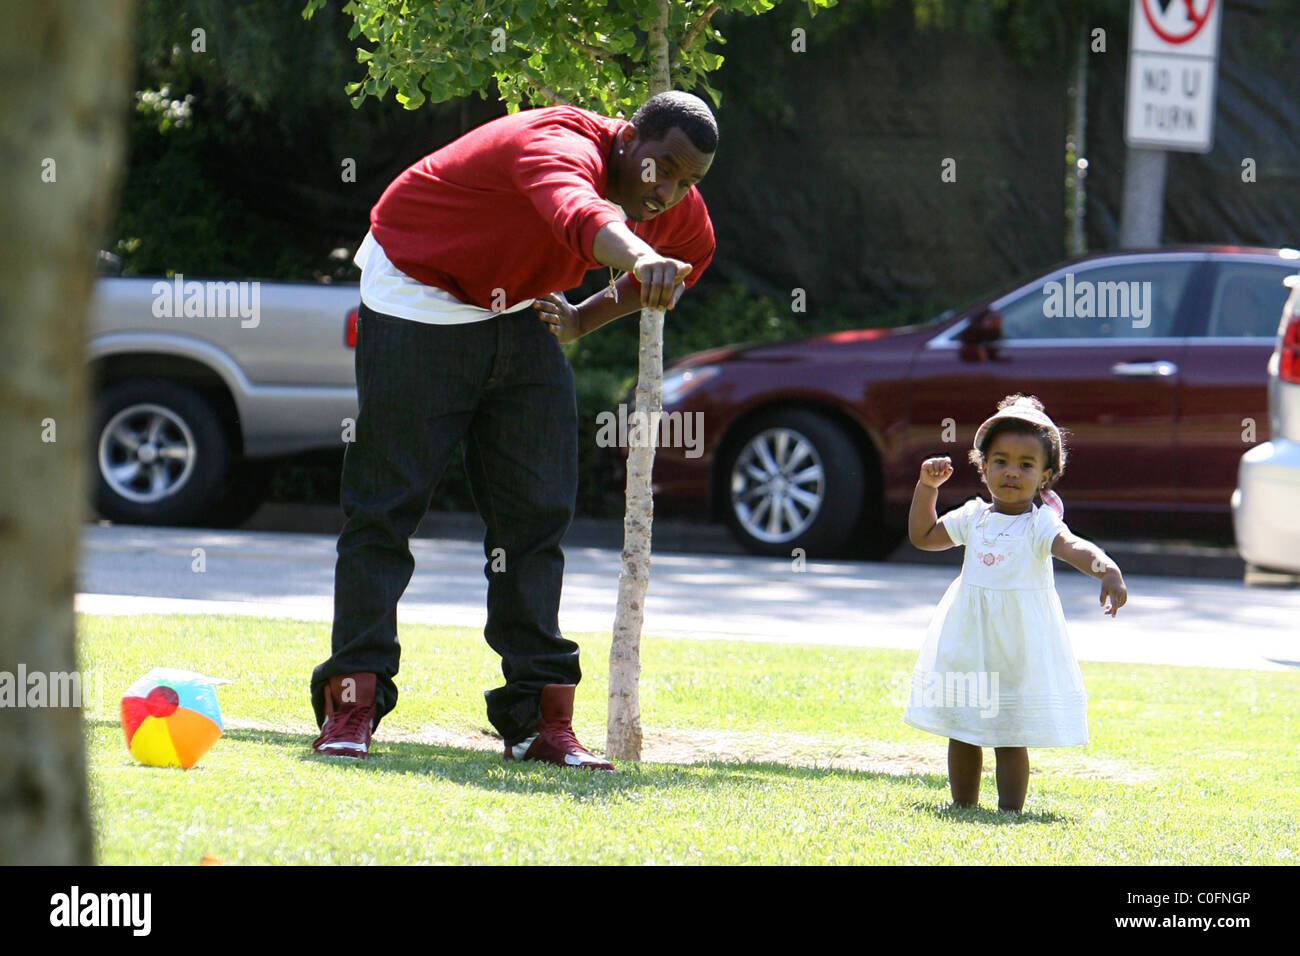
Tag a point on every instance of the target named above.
point(1154, 362)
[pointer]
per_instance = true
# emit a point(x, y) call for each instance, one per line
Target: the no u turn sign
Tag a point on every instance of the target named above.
point(1172, 67)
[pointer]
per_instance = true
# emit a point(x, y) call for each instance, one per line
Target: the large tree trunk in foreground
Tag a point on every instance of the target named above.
point(623, 727)
point(67, 65)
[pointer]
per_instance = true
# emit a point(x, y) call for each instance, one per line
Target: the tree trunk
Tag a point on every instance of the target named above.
point(623, 733)
point(67, 65)
point(623, 727)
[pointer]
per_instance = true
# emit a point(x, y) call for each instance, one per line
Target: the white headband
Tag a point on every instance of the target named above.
point(1025, 412)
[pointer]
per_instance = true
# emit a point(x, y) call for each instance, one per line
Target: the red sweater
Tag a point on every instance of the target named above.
point(516, 204)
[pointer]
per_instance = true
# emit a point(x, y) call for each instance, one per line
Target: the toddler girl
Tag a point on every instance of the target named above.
point(997, 669)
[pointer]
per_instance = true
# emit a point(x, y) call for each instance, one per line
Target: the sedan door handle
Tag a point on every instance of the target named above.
point(1145, 369)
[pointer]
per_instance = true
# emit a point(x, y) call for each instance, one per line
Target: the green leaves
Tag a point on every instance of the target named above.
point(444, 72)
point(594, 56)
point(413, 101)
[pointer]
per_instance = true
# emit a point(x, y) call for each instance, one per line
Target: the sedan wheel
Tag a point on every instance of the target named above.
point(778, 485)
point(793, 480)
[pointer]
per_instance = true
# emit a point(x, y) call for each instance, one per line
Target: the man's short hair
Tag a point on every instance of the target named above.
point(686, 112)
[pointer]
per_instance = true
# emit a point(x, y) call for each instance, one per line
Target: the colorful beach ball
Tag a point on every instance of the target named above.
point(171, 717)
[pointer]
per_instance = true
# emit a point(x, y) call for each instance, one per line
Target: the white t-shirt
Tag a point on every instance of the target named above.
point(386, 289)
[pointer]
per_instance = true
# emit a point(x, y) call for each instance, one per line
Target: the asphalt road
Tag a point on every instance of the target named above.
point(1168, 620)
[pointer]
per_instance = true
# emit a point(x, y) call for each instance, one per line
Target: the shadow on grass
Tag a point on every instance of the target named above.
point(986, 815)
point(486, 770)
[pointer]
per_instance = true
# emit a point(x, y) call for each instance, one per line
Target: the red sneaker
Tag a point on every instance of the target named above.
point(349, 716)
point(554, 741)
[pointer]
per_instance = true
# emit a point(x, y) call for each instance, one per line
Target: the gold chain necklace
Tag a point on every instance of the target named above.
point(612, 291)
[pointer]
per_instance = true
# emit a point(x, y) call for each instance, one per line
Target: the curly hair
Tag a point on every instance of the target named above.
point(685, 111)
point(1054, 450)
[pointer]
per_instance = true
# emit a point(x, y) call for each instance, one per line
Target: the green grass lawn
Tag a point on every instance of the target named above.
point(755, 753)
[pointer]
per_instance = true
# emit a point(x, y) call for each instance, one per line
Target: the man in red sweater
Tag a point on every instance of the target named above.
point(465, 253)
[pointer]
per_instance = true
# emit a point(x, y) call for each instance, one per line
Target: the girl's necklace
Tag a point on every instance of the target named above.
point(1006, 532)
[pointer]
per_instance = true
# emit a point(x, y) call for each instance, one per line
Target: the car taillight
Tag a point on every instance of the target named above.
point(1288, 368)
point(350, 330)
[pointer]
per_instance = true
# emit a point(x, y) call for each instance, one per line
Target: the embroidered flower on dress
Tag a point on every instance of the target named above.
point(990, 558)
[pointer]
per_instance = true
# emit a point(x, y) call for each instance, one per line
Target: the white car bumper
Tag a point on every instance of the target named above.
point(1266, 506)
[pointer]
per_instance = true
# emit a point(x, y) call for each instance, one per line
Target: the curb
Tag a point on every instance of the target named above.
point(1162, 558)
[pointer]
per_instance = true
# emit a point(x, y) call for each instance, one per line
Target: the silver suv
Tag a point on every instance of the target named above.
point(198, 384)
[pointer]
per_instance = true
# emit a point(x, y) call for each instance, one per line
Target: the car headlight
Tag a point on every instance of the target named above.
point(678, 382)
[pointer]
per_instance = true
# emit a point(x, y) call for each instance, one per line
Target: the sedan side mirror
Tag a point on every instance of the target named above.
point(979, 340)
point(983, 327)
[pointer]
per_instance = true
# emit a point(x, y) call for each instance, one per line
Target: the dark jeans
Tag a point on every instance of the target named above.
point(504, 387)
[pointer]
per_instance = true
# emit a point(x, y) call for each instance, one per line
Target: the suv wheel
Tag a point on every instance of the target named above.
point(159, 452)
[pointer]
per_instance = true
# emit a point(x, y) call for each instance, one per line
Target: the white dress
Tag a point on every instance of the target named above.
point(997, 668)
